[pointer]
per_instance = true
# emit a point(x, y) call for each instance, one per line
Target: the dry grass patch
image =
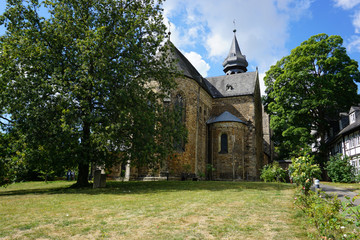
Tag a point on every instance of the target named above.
point(150, 210)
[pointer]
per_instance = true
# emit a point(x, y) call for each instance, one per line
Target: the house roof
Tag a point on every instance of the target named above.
point(354, 108)
point(225, 117)
point(350, 127)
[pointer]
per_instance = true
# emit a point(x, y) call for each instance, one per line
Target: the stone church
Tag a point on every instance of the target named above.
point(224, 119)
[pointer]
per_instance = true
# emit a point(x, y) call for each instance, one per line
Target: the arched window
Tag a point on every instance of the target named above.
point(223, 143)
point(179, 106)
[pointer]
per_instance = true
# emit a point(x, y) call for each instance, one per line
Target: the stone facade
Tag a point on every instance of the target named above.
point(224, 119)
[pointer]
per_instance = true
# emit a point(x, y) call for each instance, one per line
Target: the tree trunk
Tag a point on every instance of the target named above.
point(83, 175)
point(83, 166)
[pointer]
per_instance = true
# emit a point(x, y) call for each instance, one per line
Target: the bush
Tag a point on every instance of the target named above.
point(273, 173)
point(340, 170)
point(303, 170)
point(327, 214)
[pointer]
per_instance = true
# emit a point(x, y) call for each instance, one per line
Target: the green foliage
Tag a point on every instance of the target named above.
point(12, 159)
point(303, 170)
point(339, 169)
point(85, 84)
point(315, 81)
point(273, 173)
point(332, 219)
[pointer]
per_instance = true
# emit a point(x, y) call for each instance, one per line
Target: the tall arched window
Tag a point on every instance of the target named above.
point(179, 105)
point(223, 143)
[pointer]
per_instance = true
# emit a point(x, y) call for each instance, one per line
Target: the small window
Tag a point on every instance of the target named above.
point(224, 143)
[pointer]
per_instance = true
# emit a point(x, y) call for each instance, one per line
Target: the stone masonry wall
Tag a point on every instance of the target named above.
point(244, 107)
point(235, 163)
point(198, 104)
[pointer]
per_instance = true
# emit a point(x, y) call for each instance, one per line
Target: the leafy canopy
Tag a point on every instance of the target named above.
point(308, 88)
point(85, 83)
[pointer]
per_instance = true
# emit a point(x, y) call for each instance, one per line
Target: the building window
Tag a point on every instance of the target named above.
point(223, 143)
point(179, 106)
point(352, 118)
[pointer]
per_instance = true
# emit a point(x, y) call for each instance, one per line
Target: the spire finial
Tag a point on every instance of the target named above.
point(234, 22)
point(169, 33)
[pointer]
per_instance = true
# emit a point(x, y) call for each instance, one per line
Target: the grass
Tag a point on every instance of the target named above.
point(150, 210)
point(355, 187)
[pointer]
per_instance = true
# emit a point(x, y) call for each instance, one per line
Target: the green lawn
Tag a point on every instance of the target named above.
point(150, 210)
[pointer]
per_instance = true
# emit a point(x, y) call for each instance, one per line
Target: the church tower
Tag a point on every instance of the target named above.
point(235, 62)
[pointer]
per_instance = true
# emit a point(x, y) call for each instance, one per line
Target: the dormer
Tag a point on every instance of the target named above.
point(353, 114)
point(344, 120)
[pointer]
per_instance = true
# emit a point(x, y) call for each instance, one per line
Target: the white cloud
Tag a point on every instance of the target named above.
point(262, 84)
point(199, 63)
point(346, 4)
point(354, 44)
point(356, 21)
point(262, 28)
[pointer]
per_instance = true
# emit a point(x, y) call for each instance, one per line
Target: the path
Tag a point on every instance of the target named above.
point(340, 192)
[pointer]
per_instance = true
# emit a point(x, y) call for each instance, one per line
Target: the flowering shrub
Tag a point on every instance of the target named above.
point(332, 219)
point(303, 170)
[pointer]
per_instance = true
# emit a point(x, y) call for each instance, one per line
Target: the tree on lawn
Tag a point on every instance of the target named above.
point(84, 82)
point(307, 88)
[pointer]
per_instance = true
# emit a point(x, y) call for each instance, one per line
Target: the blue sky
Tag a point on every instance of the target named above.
point(267, 30)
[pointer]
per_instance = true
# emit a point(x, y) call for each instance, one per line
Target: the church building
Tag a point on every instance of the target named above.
point(224, 119)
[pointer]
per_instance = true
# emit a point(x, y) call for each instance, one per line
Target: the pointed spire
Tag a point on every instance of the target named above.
point(235, 61)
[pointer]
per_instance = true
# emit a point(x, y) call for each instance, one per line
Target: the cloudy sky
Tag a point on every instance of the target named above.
point(267, 30)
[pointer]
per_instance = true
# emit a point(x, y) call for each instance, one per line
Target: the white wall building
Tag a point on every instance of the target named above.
point(347, 141)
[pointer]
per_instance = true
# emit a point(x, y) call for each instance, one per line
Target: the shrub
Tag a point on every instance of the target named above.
point(303, 170)
point(340, 170)
point(273, 173)
point(327, 214)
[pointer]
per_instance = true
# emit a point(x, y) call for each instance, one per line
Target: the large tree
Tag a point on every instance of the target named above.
point(83, 81)
point(307, 89)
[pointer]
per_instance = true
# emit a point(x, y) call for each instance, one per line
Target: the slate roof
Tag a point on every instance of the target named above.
point(350, 128)
point(225, 117)
point(233, 85)
point(218, 87)
point(354, 108)
point(235, 59)
point(185, 67)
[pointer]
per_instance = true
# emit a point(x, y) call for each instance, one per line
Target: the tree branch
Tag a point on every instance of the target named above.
point(6, 119)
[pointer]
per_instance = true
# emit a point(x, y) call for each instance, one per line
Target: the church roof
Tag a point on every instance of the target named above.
point(225, 117)
point(185, 67)
point(218, 87)
point(235, 62)
point(233, 85)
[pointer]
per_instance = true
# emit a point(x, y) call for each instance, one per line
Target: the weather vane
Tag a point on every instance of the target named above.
point(169, 33)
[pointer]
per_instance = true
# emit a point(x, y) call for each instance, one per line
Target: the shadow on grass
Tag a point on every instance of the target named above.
point(140, 187)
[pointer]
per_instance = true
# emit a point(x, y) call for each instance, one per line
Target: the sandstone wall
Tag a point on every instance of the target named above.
point(198, 104)
point(235, 163)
